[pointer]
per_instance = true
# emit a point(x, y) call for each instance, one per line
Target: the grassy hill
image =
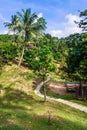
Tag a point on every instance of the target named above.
point(21, 109)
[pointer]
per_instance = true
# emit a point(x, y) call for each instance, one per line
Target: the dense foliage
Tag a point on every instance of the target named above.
point(8, 51)
point(25, 25)
point(83, 22)
point(77, 57)
point(40, 52)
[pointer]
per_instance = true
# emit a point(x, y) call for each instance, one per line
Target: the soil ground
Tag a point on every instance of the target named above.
point(58, 88)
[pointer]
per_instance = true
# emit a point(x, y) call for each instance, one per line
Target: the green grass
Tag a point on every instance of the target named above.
point(21, 109)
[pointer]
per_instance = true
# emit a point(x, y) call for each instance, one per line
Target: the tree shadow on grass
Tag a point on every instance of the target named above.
point(14, 103)
point(40, 122)
point(14, 115)
point(1, 86)
point(14, 96)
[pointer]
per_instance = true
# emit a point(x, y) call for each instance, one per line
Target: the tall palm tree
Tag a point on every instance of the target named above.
point(12, 26)
point(26, 24)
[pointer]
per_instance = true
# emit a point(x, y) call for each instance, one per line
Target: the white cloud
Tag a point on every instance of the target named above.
point(4, 32)
point(40, 15)
point(71, 18)
point(69, 26)
point(56, 33)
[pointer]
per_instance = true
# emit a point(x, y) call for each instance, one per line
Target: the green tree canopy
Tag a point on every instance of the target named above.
point(77, 60)
point(26, 24)
point(83, 22)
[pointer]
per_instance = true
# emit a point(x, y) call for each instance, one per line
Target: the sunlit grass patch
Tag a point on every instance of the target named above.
point(21, 109)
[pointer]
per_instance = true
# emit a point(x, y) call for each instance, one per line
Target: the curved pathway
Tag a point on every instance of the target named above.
point(71, 104)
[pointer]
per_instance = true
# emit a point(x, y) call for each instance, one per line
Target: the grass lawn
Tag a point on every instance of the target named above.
point(21, 109)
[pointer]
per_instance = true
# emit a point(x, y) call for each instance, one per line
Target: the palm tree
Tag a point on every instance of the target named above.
point(26, 25)
point(12, 26)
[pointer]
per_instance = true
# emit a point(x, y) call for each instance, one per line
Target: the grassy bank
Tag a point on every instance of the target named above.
point(21, 109)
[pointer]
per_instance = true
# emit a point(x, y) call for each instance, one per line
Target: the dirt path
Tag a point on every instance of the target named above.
point(58, 88)
point(74, 105)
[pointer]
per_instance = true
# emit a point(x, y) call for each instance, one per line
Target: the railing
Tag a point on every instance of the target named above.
point(80, 90)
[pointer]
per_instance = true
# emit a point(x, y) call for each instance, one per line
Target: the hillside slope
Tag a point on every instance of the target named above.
point(21, 109)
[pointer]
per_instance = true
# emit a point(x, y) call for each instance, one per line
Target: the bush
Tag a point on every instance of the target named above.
point(8, 51)
point(30, 55)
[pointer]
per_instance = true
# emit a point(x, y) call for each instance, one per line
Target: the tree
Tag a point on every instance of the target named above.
point(12, 26)
point(77, 60)
point(6, 38)
point(26, 24)
point(54, 45)
point(30, 55)
point(43, 63)
point(8, 52)
point(83, 22)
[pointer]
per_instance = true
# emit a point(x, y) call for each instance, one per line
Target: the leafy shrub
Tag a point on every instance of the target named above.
point(8, 51)
point(30, 55)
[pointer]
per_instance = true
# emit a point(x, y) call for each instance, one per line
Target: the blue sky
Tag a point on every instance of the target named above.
point(59, 14)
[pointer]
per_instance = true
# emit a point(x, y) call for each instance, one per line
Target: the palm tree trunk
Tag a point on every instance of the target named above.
point(21, 58)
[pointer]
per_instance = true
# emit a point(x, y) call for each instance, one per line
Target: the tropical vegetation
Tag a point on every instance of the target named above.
point(27, 56)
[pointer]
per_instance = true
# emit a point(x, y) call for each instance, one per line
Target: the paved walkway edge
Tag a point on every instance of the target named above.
point(71, 104)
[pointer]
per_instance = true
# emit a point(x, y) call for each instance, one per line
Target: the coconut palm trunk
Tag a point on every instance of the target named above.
point(21, 58)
